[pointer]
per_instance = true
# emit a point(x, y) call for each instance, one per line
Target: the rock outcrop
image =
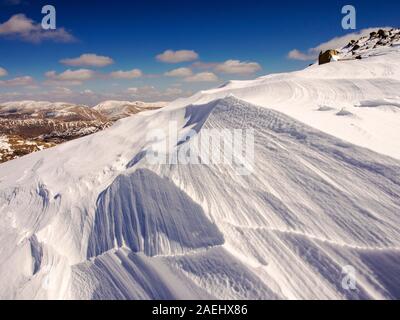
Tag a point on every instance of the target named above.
point(327, 56)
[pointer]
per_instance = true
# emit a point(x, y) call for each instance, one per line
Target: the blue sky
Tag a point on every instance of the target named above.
point(224, 40)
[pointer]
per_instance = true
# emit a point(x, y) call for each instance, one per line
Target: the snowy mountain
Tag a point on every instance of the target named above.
point(94, 218)
point(116, 110)
point(110, 110)
point(371, 45)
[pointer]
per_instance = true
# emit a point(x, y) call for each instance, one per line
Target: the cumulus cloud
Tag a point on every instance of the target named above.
point(204, 65)
point(230, 66)
point(298, 55)
point(335, 43)
point(87, 91)
point(90, 97)
point(174, 92)
point(61, 91)
point(131, 74)
point(19, 81)
point(202, 77)
point(54, 94)
point(237, 67)
point(170, 56)
point(147, 93)
point(21, 27)
point(3, 72)
point(88, 60)
point(69, 77)
point(180, 72)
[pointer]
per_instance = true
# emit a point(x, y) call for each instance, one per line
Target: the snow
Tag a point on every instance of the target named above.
point(373, 83)
point(112, 109)
point(115, 109)
point(93, 219)
point(4, 143)
point(29, 105)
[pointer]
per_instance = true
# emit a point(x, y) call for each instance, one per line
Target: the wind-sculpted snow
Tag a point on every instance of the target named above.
point(95, 219)
point(149, 214)
point(308, 189)
point(312, 205)
point(122, 274)
point(343, 85)
point(126, 275)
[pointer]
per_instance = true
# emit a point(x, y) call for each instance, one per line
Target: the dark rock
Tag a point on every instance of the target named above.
point(382, 33)
point(326, 57)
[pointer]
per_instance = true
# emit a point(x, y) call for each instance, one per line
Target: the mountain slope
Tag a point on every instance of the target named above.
point(95, 218)
point(115, 110)
point(354, 100)
point(312, 199)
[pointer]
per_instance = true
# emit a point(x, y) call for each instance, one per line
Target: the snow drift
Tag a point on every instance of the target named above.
point(94, 219)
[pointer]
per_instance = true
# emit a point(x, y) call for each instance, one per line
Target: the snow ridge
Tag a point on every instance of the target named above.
point(94, 219)
point(312, 199)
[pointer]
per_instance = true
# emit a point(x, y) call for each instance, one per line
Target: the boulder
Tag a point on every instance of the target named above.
point(382, 33)
point(327, 56)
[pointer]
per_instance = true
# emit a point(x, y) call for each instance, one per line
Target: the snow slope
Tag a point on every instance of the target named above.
point(107, 224)
point(30, 106)
point(111, 110)
point(120, 109)
point(356, 100)
point(94, 219)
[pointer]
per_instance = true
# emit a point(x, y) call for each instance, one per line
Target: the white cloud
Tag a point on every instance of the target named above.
point(61, 91)
point(88, 59)
point(180, 72)
point(172, 92)
point(23, 28)
point(147, 93)
point(87, 92)
point(170, 56)
point(202, 77)
point(298, 55)
point(139, 91)
point(19, 81)
point(204, 65)
point(55, 82)
point(3, 72)
point(70, 77)
point(89, 97)
point(135, 73)
point(17, 24)
point(55, 94)
point(335, 43)
point(238, 67)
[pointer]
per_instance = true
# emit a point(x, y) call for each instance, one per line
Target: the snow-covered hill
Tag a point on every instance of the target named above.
point(115, 110)
point(94, 218)
point(354, 100)
point(107, 110)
